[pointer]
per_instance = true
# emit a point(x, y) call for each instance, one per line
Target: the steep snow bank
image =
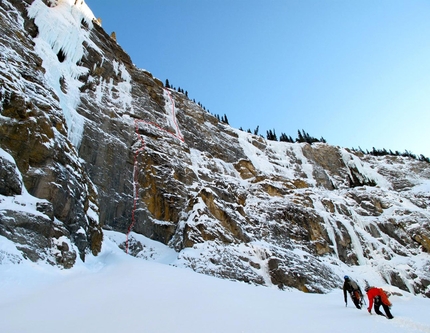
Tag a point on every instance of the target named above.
point(119, 293)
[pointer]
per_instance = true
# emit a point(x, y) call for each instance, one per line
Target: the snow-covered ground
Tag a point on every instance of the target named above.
point(115, 292)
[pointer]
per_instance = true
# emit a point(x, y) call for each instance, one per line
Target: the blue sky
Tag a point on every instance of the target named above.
point(354, 72)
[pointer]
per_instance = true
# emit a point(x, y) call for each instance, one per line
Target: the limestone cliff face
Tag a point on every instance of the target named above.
point(33, 131)
point(132, 155)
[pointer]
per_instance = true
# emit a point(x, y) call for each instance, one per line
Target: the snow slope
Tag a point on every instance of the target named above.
point(119, 293)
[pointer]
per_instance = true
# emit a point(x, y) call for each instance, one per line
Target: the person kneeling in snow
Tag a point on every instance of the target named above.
point(378, 296)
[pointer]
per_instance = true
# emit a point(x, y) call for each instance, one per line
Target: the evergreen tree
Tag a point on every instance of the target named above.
point(275, 138)
point(256, 130)
point(306, 136)
point(406, 153)
point(422, 158)
point(271, 135)
point(224, 119)
point(167, 83)
point(300, 137)
point(283, 137)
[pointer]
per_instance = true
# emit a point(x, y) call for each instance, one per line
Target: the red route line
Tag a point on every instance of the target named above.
point(176, 135)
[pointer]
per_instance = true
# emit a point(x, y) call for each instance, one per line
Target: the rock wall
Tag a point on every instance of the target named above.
point(33, 131)
point(151, 161)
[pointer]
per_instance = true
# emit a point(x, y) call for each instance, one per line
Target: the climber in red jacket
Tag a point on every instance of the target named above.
point(378, 296)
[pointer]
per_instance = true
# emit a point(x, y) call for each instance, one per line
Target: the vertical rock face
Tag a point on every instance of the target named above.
point(89, 141)
point(33, 131)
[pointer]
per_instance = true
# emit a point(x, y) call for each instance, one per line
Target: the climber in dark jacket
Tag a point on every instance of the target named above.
point(351, 287)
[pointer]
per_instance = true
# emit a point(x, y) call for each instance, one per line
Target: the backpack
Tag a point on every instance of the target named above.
point(354, 289)
point(353, 285)
point(384, 297)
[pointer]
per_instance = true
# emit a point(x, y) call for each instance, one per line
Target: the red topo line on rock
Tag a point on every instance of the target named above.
point(176, 135)
point(135, 182)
